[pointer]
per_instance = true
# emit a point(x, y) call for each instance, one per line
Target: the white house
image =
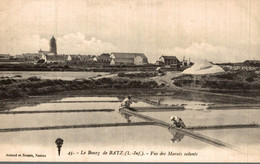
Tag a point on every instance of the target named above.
point(73, 57)
point(118, 58)
point(94, 59)
point(168, 60)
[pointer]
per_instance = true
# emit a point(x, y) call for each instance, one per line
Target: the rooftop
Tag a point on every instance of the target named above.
point(127, 55)
point(169, 57)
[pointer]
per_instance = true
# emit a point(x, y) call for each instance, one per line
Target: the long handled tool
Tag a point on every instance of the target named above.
point(186, 132)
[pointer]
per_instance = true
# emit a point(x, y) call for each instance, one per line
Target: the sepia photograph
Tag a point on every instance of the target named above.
point(129, 81)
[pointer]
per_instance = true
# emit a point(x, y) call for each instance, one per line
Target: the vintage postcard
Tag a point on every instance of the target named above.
point(129, 80)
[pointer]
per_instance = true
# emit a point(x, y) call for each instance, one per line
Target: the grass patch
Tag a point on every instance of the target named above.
point(36, 86)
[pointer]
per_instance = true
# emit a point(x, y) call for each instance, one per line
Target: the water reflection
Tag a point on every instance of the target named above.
point(52, 74)
point(146, 136)
point(126, 116)
point(159, 101)
point(176, 137)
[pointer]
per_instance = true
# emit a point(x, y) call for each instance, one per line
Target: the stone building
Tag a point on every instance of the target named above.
point(168, 60)
point(119, 58)
point(53, 46)
point(32, 56)
point(104, 58)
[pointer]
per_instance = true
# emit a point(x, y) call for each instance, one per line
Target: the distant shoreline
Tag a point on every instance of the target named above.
point(82, 67)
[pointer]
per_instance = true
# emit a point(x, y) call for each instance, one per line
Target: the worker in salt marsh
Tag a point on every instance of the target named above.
point(177, 122)
point(126, 103)
point(159, 71)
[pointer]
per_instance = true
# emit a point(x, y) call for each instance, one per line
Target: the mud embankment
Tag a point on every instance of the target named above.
point(11, 88)
point(237, 80)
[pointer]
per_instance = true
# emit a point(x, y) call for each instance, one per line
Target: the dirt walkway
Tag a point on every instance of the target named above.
point(167, 80)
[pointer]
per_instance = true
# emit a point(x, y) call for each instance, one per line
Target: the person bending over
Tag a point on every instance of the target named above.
point(177, 122)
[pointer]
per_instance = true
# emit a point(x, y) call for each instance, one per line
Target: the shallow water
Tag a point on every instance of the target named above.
point(171, 101)
point(90, 99)
point(142, 138)
point(50, 75)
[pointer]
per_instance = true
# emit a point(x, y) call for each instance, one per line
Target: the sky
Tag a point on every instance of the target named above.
point(216, 30)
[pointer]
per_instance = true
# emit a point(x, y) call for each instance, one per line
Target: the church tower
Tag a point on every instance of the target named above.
point(53, 47)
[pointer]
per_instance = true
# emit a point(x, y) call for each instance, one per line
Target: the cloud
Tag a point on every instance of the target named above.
point(199, 51)
point(216, 30)
point(25, 44)
point(78, 43)
point(73, 43)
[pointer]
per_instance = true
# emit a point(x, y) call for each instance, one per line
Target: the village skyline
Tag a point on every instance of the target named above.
point(114, 58)
point(179, 56)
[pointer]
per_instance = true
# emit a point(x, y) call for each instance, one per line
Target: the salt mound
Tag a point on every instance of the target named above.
point(203, 67)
